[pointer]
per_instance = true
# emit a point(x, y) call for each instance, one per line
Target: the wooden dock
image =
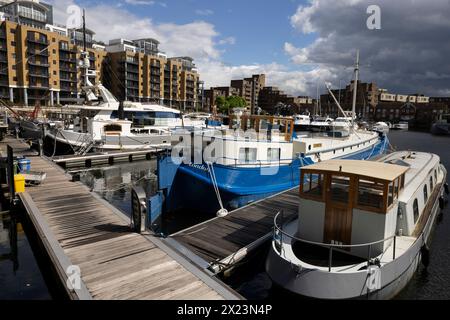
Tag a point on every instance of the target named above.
point(81, 231)
point(108, 158)
point(220, 243)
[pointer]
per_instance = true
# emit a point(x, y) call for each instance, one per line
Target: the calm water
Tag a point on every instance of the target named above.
point(20, 277)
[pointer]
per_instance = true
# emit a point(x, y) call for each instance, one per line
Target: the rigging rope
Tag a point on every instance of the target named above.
point(222, 212)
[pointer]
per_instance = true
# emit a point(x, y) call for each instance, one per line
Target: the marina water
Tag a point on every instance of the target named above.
point(21, 278)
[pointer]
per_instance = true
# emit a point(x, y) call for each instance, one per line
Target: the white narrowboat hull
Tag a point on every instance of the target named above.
point(321, 284)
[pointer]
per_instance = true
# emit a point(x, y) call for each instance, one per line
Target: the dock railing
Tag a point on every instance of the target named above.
point(279, 234)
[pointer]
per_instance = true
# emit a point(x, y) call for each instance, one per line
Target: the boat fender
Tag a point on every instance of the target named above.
point(425, 252)
point(222, 213)
point(441, 203)
point(447, 190)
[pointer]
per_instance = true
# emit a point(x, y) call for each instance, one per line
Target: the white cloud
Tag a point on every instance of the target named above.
point(408, 55)
point(141, 2)
point(196, 39)
point(227, 41)
point(204, 12)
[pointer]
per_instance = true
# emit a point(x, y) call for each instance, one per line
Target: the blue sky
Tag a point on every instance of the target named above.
point(296, 43)
point(259, 27)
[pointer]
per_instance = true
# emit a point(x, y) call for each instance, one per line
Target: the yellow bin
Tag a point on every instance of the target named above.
point(19, 183)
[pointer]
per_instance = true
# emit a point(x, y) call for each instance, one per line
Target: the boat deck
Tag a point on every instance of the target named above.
point(221, 242)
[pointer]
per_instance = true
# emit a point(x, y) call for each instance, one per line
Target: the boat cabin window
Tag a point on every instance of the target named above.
point(247, 155)
point(370, 194)
point(435, 175)
point(416, 210)
point(425, 193)
point(431, 183)
point(363, 192)
point(273, 154)
point(313, 185)
point(112, 128)
point(340, 189)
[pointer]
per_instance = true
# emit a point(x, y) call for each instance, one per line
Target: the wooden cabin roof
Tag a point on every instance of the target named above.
point(372, 169)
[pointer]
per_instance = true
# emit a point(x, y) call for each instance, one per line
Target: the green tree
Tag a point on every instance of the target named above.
point(222, 104)
point(236, 102)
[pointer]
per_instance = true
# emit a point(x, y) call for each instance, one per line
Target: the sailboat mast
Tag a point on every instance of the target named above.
point(84, 30)
point(355, 88)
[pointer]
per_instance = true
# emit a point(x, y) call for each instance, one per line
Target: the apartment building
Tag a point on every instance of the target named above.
point(39, 63)
point(41, 66)
point(271, 97)
point(249, 89)
point(137, 71)
point(212, 94)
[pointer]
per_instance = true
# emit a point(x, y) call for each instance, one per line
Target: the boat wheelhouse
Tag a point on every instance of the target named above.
point(362, 227)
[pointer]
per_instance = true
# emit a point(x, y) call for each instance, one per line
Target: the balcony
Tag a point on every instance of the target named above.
point(39, 86)
point(37, 63)
point(67, 49)
point(155, 72)
point(37, 74)
point(131, 62)
point(132, 77)
point(132, 70)
point(69, 79)
point(65, 58)
point(37, 52)
point(132, 86)
point(42, 41)
point(155, 80)
point(68, 69)
point(3, 48)
point(4, 72)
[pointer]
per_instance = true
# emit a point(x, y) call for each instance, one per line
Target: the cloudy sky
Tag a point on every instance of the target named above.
point(299, 44)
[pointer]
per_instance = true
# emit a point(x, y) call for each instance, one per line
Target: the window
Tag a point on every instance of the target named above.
point(370, 194)
point(273, 154)
point(425, 194)
point(431, 184)
point(391, 194)
point(435, 175)
point(313, 184)
point(13, 43)
point(340, 187)
point(247, 155)
point(416, 210)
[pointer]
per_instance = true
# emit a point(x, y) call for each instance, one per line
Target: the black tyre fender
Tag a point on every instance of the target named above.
point(425, 253)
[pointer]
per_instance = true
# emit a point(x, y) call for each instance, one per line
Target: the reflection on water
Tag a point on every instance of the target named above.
point(114, 183)
point(20, 277)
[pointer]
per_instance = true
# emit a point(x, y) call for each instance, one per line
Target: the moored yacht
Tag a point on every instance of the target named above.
point(320, 124)
point(302, 122)
point(363, 227)
point(381, 127)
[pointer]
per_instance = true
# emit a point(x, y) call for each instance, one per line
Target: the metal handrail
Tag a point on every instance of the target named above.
point(331, 247)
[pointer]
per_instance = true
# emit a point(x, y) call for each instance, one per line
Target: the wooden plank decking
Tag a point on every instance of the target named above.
point(221, 240)
point(80, 229)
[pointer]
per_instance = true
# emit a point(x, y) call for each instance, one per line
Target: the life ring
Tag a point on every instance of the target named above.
point(425, 253)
